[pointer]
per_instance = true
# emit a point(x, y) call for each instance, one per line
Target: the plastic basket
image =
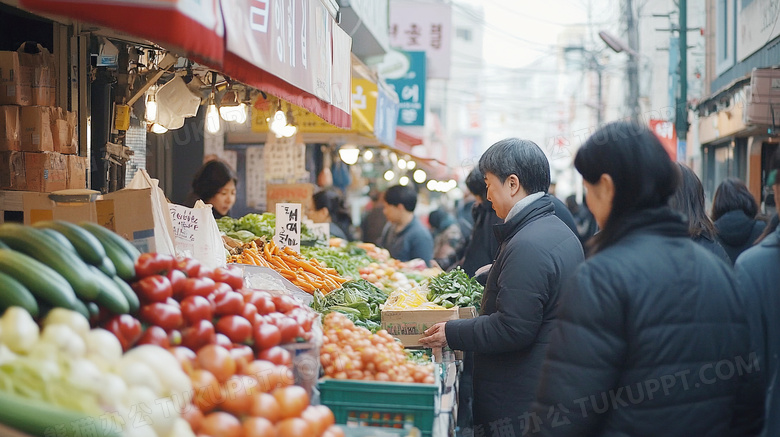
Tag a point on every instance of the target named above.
point(381, 404)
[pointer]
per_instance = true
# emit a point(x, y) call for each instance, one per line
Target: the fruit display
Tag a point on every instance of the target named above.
point(353, 352)
point(307, 274)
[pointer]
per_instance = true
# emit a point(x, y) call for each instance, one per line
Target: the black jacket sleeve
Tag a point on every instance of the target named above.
point(587, 340)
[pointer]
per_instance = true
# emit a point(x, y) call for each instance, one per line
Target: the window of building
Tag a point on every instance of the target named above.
point(463, 33)
point(725, 34)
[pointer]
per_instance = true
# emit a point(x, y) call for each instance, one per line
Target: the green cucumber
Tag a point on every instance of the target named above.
point(127, 291)
point(87, 246)
point(15, 294)
point(99, 231)
point(107, 267)
point(123, 263)
point(110, 297)
point(60, 239)
point(41, 280)
point(37, 244)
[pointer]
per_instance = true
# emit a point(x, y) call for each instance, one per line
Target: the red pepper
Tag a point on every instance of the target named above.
point(195, 309)
point(149, 264)
point(198, 335)
point(126, 328)
point(163, 315)
point(155, 288)
point(156, 336)
point(229, 303)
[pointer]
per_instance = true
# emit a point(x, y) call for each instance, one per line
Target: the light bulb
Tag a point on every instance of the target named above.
point(212, 119)
point(278, 123)
point(404, 180)
point(288, 131)
point(236, 114)
point(410, 164)
point(159, 129)
point(368, 155)
point(419, 175)
point(402, 164)
point(151, 108)
point(389, 175)
point(432, 185)
point(349, 154)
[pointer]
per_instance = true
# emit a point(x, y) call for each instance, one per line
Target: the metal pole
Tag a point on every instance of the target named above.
point(682, 99)
point(600, 109)
point(632, 30)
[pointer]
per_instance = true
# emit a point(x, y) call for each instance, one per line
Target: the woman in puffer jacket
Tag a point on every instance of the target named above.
point(734, 211)
point(652, 338)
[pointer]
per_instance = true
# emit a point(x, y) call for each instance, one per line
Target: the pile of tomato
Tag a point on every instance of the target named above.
point(237, 398)
point(353, 352)
point(184, 304)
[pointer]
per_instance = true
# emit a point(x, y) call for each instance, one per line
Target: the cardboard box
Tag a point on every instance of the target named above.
point(129, 213)
point(73, 206)
point(15, 79)
point(36, 129)
point(9, 128)
point(13, 175)
point(60, 131)
point(71, 146)
point(77, 171)
point(46, 171)
point(409, 325)
point(467, 313)
point(44, 78)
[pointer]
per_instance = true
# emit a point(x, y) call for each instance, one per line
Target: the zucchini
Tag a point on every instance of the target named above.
point(37, 244)
point(99, 231)
point(41, 280)
point(87, 246)
point(127, 291)
point(110, 297)
point(123, 263)
point(16, 294)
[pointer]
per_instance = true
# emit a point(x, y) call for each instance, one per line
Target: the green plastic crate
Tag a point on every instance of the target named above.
point(381, 404)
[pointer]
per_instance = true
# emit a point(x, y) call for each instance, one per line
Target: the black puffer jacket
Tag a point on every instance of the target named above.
point(737, 232)
point(649, 339)
point(482, 246)
point(538, 252)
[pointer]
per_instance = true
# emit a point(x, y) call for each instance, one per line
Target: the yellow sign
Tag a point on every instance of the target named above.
point(364, 100)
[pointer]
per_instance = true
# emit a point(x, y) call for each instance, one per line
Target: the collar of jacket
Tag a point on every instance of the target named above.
point(538, 208)
point(664, 221)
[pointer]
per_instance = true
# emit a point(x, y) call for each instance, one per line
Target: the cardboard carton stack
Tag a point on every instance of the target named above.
point(38, 141)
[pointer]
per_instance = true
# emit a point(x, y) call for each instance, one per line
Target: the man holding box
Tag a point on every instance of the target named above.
point(537, 254)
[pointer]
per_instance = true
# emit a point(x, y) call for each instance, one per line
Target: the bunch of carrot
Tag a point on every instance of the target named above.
point(308, 275)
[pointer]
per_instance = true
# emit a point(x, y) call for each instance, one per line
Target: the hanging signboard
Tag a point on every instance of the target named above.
point(409, 83)
point(423, 26)
point(288, 226)
point(666, 132)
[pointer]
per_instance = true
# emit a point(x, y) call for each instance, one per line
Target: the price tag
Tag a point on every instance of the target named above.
point(288, 226)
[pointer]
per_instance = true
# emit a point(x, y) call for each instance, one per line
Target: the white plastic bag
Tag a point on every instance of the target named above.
point(163, 227)
point(196, 235)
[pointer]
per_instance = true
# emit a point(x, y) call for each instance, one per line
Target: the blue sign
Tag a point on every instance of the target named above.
point(386, 117)
point(410, 87)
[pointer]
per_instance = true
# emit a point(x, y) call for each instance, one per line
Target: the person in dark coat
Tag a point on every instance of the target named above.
point(214, 184)
point(328, 207)
point(758, 270)
point(651, 321)
point(482, 245)
point(537, 254)
point(688, 199)
point(734, 210)
point(404, 236)
point(564, 214)
point(374, 221)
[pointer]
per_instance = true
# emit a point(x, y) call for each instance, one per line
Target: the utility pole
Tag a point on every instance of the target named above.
point(682, 98)
point(632, 68)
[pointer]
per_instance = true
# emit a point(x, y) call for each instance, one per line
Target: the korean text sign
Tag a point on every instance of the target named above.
point(423, 26)
point(288, 226)
point(410, 87)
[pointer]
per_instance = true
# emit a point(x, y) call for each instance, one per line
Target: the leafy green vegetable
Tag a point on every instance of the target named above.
point(226, 224)
point(454, 288)
point(359, 300)
point(243, 236)
point(346, 262)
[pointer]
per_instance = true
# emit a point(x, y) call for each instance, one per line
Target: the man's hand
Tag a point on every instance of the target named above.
point(435, 336)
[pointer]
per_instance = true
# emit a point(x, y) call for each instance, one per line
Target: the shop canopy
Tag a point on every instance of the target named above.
point(294, 50)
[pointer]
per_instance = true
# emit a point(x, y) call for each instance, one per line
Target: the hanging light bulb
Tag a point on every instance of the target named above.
point(151, 105)
point(368, 155)
point(404, 181)
point(419, 175)
point(410, 164)
point(402, 164)
point(432, 185)
point(278, 122)
point(349, 154)
point(389, 175)
point(231, 108)
point(159, 129)
point(212, 114)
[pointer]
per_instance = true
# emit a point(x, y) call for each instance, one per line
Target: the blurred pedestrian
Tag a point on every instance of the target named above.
point(537, 254)
point(328, 207)
point(404, 236)
point(564, 214)
point(482, 245)
point(758, 270)
point(688, 200)
point(447, 237)
point(214, 184)
point(648, 307)
point(374, 220)
point(734, 210)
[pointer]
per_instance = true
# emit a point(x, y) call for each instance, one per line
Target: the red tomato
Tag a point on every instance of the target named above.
point(156, 336)
point(222, 287)
point(290, 329)
point(267, 336)
point(264, 304)
point(243, 355)
point(174, 302)
point(195, 309)
point(174, 337)
point(292, 400)
point(186, 358)
point(258, 427)
point(190, 267)
point(206, 390)
point(149, 264)
point(126, 328)
point(265, 405)
point(239, 390)
point(222, 425)
point(198, 335)
point(198, 287)
point(193, 416)
point(265, 373)
point(155, 288)
point(304, 317)
point(318, 417)
point(284, 303)
point(249, 312)
point(163, 315)
point(333, 431)
point(274, 318)
point(232, 276)
point(277, 355)
point(224, 341)
point(228, 303)
point(236, 328)
point(296, 427)
point(177, 278)
point(217, 360)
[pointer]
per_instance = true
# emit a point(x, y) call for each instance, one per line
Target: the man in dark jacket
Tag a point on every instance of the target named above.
point(482, 246)
point(537, 253)
point(404, 236)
